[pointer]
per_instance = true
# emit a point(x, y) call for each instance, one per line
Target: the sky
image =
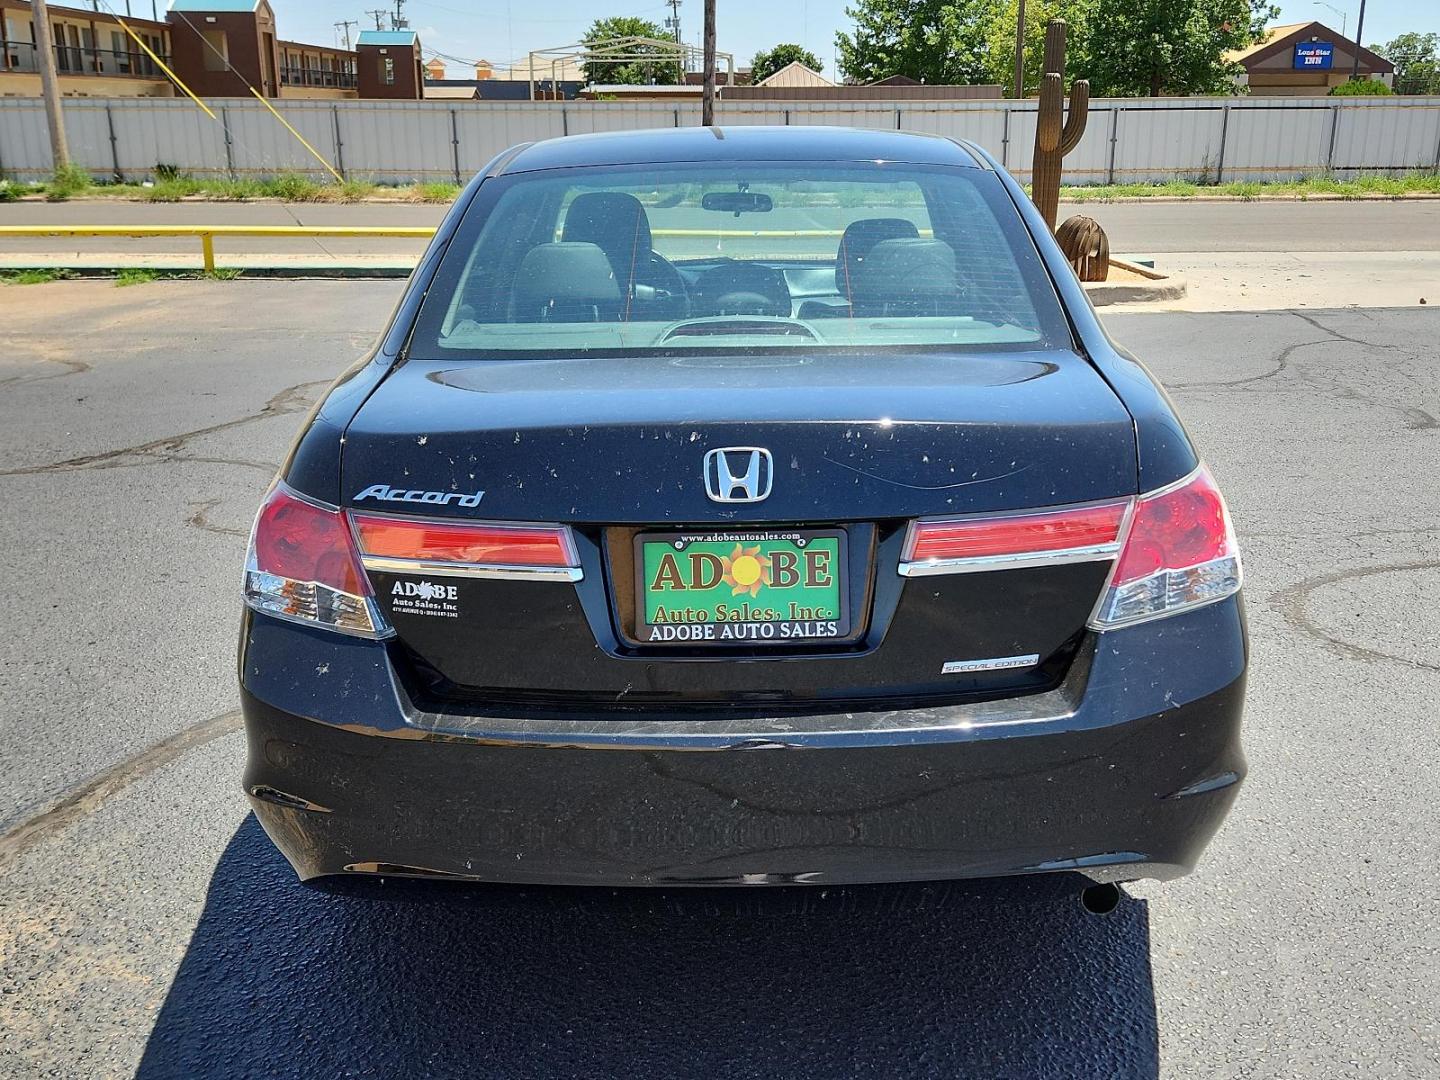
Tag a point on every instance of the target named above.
point(501, 30)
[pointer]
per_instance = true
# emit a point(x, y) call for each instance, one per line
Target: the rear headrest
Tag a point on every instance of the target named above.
point(857, 240)
point(613, 220)
point(906, 271)
point(566, 281)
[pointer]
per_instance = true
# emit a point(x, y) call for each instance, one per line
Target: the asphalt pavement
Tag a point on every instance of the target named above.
point(1152, 226)
point(148, 928)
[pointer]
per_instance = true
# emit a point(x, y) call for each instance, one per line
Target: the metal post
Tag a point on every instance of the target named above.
point(1005, 141)
point(339, 143)
point(114, 143)
point(229, 152)
point(1224, 130)
point(1334, 126)
point(897, 119)
point(1019, 89)
point(1114, 138)
point(207, 251)
point(50, 85)
point(1359, 31)
point(455, 143)
point(707, 96)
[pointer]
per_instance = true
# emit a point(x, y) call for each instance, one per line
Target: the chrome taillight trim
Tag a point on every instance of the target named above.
point(500, 571)
point(982, 563)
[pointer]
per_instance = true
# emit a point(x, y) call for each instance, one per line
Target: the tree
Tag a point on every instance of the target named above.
point(1000, 40)
point(663, 70)
point(1417, 62)
point(766, 64)
point(933, 41)
point(1361, 88)
point(1154, 47)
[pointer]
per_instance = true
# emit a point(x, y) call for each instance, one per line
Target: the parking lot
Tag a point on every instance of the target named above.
point(146, 924)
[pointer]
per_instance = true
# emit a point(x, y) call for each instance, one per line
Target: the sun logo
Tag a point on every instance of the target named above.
point(743, 571)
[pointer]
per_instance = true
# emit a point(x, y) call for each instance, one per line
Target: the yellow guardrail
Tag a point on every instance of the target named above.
point(207, 233)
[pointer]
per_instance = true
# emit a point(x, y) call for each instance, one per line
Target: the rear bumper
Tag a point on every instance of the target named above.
point(1125, 771)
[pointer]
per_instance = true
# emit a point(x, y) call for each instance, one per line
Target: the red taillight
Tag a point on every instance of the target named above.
point(480, 544)
point(303, 567)
point(1018, 535)
point(298, 540)
point(1176, 529)
point(1178, 553)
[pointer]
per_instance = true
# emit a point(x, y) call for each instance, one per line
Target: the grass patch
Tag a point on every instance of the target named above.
point(436, 193)
point(135, 276)
point(1422, 183)
point(65, 182)
point(220, 273)
point(35, 277)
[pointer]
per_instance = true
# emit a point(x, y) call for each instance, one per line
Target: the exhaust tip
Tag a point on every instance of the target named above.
point(1101, 899)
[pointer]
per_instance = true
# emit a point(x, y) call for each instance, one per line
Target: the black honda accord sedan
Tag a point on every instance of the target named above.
point(743, 506)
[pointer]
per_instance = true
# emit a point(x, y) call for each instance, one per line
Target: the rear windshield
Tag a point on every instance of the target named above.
point(692, 258)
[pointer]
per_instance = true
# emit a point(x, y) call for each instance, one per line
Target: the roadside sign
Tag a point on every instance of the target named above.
point(1314, 55)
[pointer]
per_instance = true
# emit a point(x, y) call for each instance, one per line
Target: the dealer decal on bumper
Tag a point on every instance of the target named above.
point(425, 598)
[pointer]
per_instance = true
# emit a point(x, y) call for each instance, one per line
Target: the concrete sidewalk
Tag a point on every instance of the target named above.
point(1217, 280)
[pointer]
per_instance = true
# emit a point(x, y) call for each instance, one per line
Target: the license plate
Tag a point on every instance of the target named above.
point(758, 587)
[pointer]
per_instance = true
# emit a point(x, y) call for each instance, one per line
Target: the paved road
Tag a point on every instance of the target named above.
point(1133, 227)
point(145, 923)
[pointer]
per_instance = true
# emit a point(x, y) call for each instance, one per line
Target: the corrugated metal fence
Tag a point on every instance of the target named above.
point(1202, 139)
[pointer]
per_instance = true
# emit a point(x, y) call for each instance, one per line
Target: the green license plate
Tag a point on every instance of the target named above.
point(760, 587)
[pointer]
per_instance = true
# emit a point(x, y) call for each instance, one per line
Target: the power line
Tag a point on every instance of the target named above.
point(343, 27)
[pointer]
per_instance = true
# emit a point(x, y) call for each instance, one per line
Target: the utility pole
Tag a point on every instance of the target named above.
point(50, 85)
point(707, 99)
point(1019, 90)
point(378, 14)
point(398, 20)
point(673, 25)
point(1359, 29)
point(342, 28)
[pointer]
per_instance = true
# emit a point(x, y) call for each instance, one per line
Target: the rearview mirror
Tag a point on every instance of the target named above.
point(737, 202)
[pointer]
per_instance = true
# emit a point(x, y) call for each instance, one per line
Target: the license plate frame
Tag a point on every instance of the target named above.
point(736, 626)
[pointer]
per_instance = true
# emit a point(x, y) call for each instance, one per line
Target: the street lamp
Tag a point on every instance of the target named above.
point(1344, 16)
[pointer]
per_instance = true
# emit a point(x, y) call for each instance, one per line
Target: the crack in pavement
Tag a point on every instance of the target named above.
point(200, 519)
point(1291, 604)
point(49, 354)
point(1336, 334)
point(90, 794)
point(290, 400)
point(1281, 360)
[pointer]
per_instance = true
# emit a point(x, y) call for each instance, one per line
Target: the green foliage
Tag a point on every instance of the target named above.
point(934, 41)
point(1154, 47)
point(291, 187)
point(135, 276)
point(1000, 40)
point(1417, 183)
point(1361, 88)
point(68, 180)
point(662, 71)
point(220, 273)
point(767, 62)
point(35, 277)
point(1417, 62)
point(436, 193)
point(9, 192)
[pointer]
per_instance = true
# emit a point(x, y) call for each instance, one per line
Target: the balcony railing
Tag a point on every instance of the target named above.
point(79, 60)
point(308, 76)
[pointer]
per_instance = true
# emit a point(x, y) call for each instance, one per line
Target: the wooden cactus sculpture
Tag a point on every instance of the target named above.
point(1052, 139)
